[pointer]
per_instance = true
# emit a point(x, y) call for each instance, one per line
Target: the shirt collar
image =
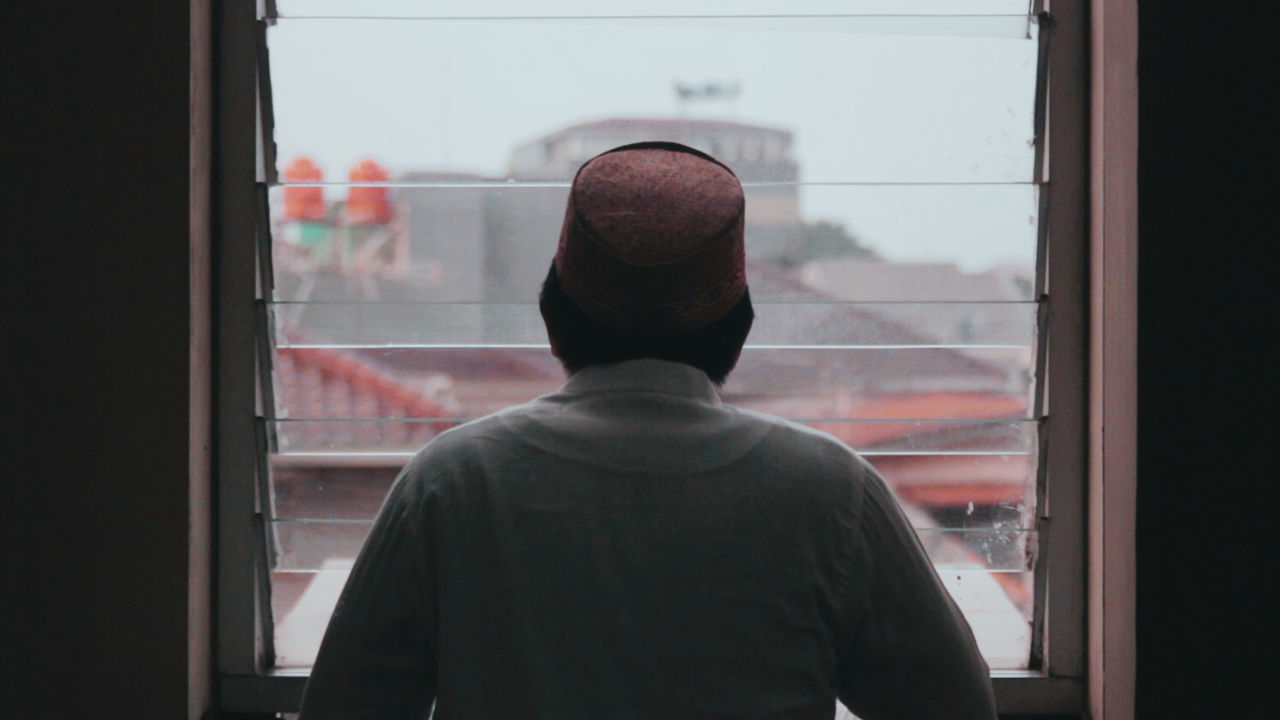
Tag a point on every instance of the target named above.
point(644, 375)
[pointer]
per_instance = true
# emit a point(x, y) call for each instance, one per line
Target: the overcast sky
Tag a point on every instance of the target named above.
point(869, 99)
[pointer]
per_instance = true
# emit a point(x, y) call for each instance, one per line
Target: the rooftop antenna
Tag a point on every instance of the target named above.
point(688, 94)
point(446, 93)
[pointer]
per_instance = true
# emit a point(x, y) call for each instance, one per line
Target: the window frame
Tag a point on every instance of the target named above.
point(1086, 348)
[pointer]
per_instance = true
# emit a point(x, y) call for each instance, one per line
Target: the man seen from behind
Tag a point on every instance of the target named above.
point(630, 546)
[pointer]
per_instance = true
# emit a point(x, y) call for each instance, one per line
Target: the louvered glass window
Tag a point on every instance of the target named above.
point(417, 160)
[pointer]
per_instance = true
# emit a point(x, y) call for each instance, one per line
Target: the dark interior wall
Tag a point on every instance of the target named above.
point(1206, 543)
point(98, 476)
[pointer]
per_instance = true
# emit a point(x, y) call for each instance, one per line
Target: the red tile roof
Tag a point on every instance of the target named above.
point(323, 384)
point(308, 377)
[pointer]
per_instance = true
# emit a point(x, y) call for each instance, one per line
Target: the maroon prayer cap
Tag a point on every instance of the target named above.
point(652, 239)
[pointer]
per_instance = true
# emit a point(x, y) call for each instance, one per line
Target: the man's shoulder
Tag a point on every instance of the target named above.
point(817, 473)
point(789, 433)
point(458, 448)
point(466, 439)
point(762, 439)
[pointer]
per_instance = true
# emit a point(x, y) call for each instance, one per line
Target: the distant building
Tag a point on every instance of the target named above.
point(756, 153)
point(483, 239)
point(448, 230)
point(761, 157)
point(969, 307)
point(873, 281)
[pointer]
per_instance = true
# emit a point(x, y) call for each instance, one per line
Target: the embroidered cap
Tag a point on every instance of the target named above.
point(652, 239)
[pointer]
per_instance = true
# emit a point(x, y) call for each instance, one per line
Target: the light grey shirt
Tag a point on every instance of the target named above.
point(630, 547)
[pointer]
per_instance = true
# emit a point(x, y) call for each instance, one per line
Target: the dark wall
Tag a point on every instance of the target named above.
point(1207, 362)
point(98, 458)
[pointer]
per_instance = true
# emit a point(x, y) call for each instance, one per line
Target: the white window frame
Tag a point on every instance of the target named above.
point(1088, 247)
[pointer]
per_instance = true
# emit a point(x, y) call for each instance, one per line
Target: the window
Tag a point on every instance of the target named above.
point(392, 200)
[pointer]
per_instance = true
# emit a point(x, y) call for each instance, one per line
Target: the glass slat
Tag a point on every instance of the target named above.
point(409, 9)
point(810, 384)
point(317, 544)
point(998, 27)
point(965, 491)
point(349, 441)
point(774, 102)
point(494, 243)
point(996, 604)
point(1007, 326)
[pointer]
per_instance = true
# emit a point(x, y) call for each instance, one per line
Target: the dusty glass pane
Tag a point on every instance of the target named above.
point(816, 384)
point(909, 9)
point(972, 511)
point(326, 544)
point(469, 239)
point(331, 499)
point(359, 326)
point(514, 98)
point(335, 439)
point(996, 604)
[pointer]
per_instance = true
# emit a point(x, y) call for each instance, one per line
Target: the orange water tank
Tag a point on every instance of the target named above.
point(303, 203)
point(368, 205)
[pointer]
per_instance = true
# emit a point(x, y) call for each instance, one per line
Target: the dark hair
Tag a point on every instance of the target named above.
point(579, 341)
